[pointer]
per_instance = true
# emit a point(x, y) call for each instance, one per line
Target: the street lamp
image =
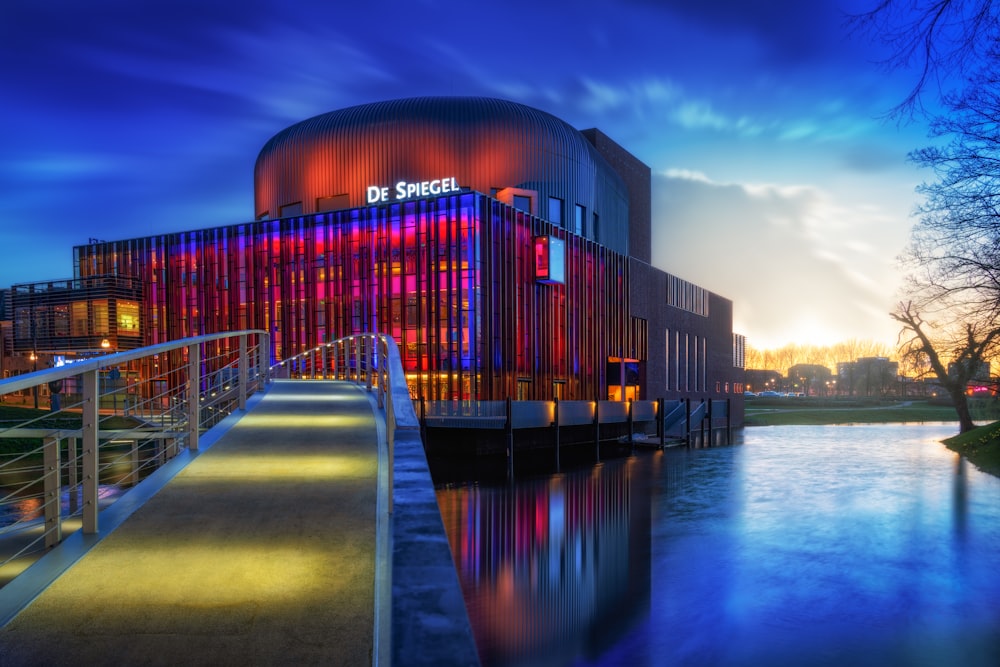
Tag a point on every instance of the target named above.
point(33, 358)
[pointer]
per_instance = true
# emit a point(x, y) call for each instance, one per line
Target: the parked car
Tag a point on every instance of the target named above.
point(769, 394)
point(748, 394)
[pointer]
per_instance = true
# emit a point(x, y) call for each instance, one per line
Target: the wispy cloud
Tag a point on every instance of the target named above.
point(784, 253)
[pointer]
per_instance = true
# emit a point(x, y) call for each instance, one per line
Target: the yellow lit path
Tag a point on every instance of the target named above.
point(260, 552)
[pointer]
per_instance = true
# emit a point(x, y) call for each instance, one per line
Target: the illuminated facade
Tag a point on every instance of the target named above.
point(94, 314)
point(506, 252)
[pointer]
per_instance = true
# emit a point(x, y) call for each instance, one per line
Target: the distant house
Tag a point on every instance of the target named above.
point(867, 376)
point(810, 379)
point(758, 380)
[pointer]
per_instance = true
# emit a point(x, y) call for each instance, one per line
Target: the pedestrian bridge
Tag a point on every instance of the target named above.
point(302, 528)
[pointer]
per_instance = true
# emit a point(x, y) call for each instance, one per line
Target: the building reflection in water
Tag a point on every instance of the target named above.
point(555, 569)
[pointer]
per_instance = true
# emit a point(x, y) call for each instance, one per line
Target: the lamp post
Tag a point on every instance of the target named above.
point(33, 358)
point(111, 382)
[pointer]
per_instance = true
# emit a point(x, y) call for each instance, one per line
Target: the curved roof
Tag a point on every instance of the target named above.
point(486, 144)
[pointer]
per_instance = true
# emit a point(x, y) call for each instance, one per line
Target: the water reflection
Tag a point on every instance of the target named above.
point(867, 545)
point(551, 567)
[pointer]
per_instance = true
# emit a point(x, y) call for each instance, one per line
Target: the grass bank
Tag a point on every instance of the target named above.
point(981, 446)
point(800, 413)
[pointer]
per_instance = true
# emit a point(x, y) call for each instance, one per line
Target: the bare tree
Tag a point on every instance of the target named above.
point(955, 248)
point(941, 40)
point(951, 312)
point(966, 348)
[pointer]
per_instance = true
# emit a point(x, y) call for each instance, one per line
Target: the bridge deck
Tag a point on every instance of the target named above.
point(261, 551)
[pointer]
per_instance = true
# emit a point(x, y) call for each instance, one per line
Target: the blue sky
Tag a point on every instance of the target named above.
point(777, 182)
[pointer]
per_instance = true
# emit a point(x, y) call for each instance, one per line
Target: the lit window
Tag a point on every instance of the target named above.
point(101, 323)
point(128, 318)
point(550, 260)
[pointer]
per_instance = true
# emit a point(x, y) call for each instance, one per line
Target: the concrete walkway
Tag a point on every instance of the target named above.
point(260, 552)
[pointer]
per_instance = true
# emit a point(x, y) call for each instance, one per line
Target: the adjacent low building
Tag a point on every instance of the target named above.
point(507, 253)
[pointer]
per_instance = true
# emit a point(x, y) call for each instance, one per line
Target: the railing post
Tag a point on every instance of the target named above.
point(312, 364)
point(264, 359)
point(367, 349)
point(194, 395)
point(660, 417)
point(90, 418)
point(597, 430)
point(382, 368)
point(242, 373)
point(631, 429)
point(323, 359)
point(50, 463)
point(701, 427)
point(356, 351)
point(556, 424)
point(510, 441)
point(73, 465)
point(133, 475)
point(687, 420)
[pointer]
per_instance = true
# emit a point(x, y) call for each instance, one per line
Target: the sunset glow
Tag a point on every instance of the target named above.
point(775, 181)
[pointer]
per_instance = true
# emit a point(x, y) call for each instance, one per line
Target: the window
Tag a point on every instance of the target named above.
point(739, 351)
point(581, 215)
point(78, 318)
point(291, 209)
point(101, 323)
point(128, 318)
point(556, 211)
point(667, 349)
point(595, 232)
point(23, 324)
point(677, 360)
point(522, 203)
point(60, 320)
point(694, 361)
point(687, 296)
point(335, 203)
point(687, 362)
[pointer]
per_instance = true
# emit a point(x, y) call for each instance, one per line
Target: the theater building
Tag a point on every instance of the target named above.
point(506, 252)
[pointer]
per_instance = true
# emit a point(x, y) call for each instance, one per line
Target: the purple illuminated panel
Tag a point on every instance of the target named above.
point(454, 279)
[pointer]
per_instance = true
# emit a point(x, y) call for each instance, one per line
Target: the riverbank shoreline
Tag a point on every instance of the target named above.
point(808, 412)
point(981, 446)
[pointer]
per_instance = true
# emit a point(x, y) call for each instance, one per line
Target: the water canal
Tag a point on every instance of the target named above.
point(799, 545)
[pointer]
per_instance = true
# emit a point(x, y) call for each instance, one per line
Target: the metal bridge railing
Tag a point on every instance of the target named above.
point(110, 422)
point(370, 360)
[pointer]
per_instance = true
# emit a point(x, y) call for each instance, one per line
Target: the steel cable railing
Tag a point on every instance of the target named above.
point(111, 422)
point(371, 360)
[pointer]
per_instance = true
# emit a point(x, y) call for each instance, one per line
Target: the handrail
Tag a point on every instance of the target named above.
point(104, 433)
point(378, 367)
point(34, 378)
point(371, 360)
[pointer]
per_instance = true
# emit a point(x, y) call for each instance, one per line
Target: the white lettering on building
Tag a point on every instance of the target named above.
point(376, 194)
